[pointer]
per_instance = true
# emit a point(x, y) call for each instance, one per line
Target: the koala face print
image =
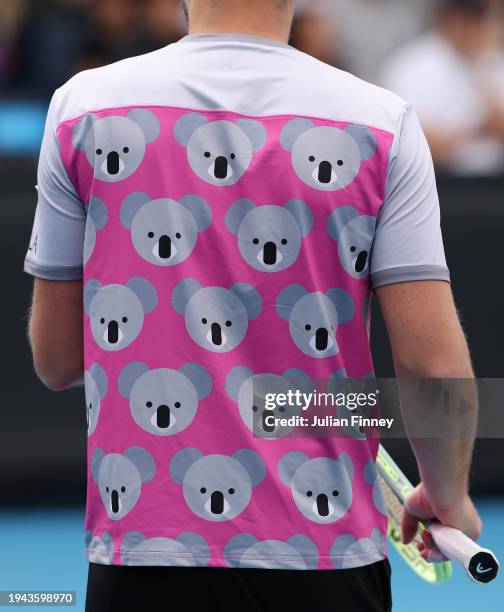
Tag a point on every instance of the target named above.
point(314, 318)
point(115, 146)
point(164, 232)
point(100, 549)
point(355, 235)
point(120, 478)
point(269, 237)
point(347, 551)
point(187, 550)
point(321, 487)
point(219, 152)
point(116, 312)
point(95, 385)
point(244, 550)
point(164, 402)
point(96, 220)
point(327, 158)
point(371, 477)
point(217, 487)
point(216, 318)
point(250, 392)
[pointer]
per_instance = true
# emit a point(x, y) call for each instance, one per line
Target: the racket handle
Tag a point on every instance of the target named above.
point(480, 563)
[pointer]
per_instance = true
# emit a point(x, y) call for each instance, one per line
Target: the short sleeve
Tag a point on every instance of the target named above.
point(408, 244)
point(56, 246)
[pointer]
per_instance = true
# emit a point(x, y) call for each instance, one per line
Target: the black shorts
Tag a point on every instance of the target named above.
point(190, 589)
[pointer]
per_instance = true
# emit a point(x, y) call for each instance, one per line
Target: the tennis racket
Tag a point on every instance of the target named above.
point(480, 564)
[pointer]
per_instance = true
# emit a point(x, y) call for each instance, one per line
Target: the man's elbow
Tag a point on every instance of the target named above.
point(56, 374)
point(442, 365)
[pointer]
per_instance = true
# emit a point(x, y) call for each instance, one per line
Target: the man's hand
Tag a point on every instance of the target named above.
point(462, 515)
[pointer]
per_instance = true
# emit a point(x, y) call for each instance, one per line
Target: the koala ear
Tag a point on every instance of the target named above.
point(253, 463)
point(255, 131)
point(292, 130)
point(365, 139)
point(303, 215)
point(130, 540)
point(199, 209)
point(81, 130)
point(343, 303)
point(235, 379)
point(236, 213)
point(289, 464)
point(145, 292)
point(370, 472)
point(98, 212)
point(197, 546)
point(182, 293)
point(287, 299)
point(236, 546)
point(129, 375)
point(90, 290)
point(186, 126)
point(347, 462)
point(131, 205)
point(249, 297)
point(306, 548)
point(100, 377)
point(96, 459)
point(339, 219)
point(340, 547)
point(199, 377)
point(143, 461)
point(379, 539)
point(339, 374)
point(300, 379)
point(147, 122)
point(182, 461)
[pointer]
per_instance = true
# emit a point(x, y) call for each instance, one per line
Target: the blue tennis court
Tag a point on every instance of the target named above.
point(42, 549)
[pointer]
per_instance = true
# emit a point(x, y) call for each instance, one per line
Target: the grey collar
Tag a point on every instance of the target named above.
point(258, 40)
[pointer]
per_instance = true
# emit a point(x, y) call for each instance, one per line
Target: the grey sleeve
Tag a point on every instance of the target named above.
point(56, 245)
point(408, 244)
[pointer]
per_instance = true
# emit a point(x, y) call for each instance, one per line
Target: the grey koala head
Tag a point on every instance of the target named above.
point(120, 478)
point(314, 317)
point(327, 158)
point(321, 487)
point(116, 312)
point(355, 235)
point(348, 552)
point(95, 386)
point(217, 487)
point(186, 550)
point(115, 145)
point(269, 237)
point(250, 391)
point(99, 549)
point(96, 220)
point(219, 152)
point(216, 318)
point(245, 550)
point(371, 477)
point(164, 402)
point(164, 232)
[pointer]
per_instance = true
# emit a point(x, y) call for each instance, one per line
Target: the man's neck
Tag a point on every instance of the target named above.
point(206, 18)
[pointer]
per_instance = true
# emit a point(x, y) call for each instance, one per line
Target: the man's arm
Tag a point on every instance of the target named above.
point(56, 334)
point(428, 342)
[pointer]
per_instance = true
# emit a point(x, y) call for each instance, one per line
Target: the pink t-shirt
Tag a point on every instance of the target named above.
point(230, 204)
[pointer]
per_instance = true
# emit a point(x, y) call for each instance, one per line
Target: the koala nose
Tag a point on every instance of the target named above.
point(267, 428)
point(113, 162)
point(163, 415)
point(114, 498)
point(270, 253)
point(361, 261)
point(165, 247)
point(321, 339)
point(322, 504)
point(325, 172)
point(113, 332)
point(217, 502)
point(221, 167)
point(216, 334)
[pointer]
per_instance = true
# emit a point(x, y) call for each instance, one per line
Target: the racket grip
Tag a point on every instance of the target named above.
point(480, 563)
